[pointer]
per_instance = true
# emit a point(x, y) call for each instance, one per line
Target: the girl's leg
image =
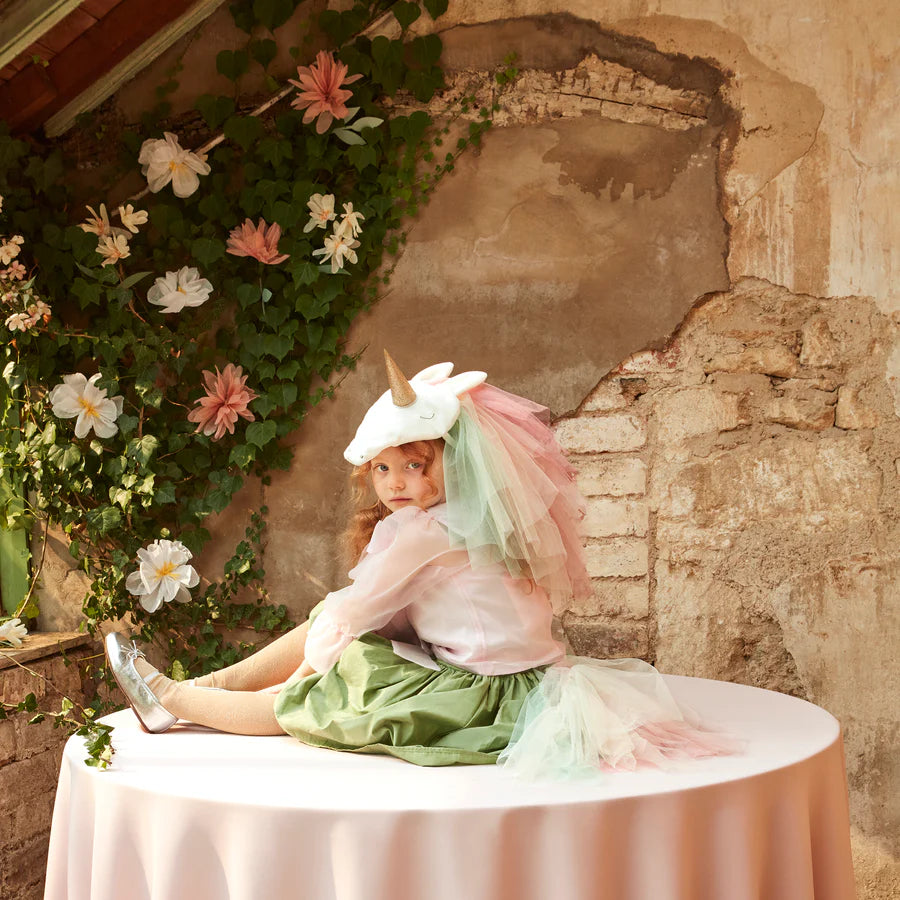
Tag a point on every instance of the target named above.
point(237, 712)
point(272, 665)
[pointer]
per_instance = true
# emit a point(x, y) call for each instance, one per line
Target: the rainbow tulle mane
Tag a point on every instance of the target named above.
point(511, 494)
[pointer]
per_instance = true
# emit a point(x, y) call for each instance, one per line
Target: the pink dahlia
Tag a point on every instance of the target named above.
point(259, 241)
point(321, 95)
point(227, 397)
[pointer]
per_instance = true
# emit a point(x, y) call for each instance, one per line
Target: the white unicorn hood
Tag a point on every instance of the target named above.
point(420, 409)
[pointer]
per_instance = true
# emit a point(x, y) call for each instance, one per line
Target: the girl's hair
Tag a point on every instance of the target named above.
point(366, 514)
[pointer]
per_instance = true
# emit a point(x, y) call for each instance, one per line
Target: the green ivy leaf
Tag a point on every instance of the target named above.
point(215, 110)
point(143, 448)
point(406, 13)
point(232, 63)
point(263, 51)
point(260, 433)
point(243, 130)
point(304, 273)
point(436, 7)
point(273, 13)
point(242, 455)
point(64, 456)
point(104, 519)
point(426, 50)
point(348, 136)
point(207, 250)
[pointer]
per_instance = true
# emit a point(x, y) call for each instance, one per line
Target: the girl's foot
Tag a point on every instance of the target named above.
point(122, 654)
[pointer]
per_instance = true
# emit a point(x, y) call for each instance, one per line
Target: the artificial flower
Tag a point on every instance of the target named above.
point(176, 290)
point(18, 322)
point(38, 311)
point(131, 217)
point(12, 631)
point(338, 247)
point(259, 241)
point(80, 396)
point(321, 90)
point(350, 222)
point(99, 224)
point(112, 249)
point(15, 272)
point(163, 575)
point(321, 211)
point(164, 160)
point(9, 249)
point(227, 397)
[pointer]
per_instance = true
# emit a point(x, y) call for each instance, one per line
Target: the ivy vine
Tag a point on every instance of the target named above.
point(283, 324)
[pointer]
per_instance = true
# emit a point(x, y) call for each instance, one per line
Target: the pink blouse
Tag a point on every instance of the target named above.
point(410, 585)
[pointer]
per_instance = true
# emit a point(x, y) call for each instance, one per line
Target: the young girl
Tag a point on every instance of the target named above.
point(441, 650)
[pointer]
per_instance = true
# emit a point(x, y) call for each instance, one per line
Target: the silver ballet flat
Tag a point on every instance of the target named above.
point(121, 653)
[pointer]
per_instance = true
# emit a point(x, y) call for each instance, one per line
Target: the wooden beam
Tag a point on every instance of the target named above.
point(89, 58)
point(24, 21)
point(129, 67)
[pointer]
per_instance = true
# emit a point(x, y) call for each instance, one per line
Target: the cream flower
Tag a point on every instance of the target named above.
point(163, 575)
point(338, 247)
point(12, 631)
point(131, 217)
point(80, 396)
point(37, 311)
point(350, 222)
point(9, 249)
point(321, 211)
point(15, 272)
point(176, 290)
point(112, 249)
point(18, 322)
point(99, 224)
point(166, 160)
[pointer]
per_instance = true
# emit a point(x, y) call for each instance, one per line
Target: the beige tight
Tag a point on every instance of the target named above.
point(227, 700)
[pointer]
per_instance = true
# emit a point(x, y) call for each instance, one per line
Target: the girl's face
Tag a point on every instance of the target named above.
point(399, 480)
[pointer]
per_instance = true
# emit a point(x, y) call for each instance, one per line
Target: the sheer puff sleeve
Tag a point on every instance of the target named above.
point(383, 583)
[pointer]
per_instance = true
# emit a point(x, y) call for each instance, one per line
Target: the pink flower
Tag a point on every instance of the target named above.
point(259, 241)
point(321, 95)
point(227, 397)
point(16, 271)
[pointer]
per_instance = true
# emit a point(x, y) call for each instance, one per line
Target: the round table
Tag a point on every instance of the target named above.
point(194, 814)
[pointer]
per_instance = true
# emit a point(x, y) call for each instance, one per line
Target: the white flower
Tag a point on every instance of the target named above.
point(176, 290)
point(132, 217)
point(112, 249)
point(10, 248)
point(350, 222)
point(338, 247)
point(163, 575)
point(36, 311)
point(99, 224)
point(321, 211)
point(166, 160)
point(80, 396)
point(18, 322)
point(12, 631)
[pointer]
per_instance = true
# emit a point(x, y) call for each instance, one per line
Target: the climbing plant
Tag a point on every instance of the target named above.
point(162, 343)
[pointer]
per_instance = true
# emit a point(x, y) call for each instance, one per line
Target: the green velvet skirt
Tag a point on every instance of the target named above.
point(373, 701)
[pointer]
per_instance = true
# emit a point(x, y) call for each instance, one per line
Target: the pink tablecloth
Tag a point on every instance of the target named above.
point(197, 815)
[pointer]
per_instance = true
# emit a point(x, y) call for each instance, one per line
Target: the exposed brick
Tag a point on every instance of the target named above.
point(607, 517)
point(593, 434)
point(688, 413)
point(606, 396)
point(23, 879)
point(22, 780)
point(809, 413)
point(774, 360)
point(603, 638)
point(851, 412)
point(625, 597)
point(611, 475)
point(819, 347)
point(617, 558)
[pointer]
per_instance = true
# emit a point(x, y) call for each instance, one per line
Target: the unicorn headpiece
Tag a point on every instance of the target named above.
point(511, 494)
point(424, 407)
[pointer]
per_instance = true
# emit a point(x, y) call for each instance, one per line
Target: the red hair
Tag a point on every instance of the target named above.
point(367, 515)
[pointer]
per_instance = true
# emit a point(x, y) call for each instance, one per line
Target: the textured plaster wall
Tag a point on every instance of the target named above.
point(682, 237)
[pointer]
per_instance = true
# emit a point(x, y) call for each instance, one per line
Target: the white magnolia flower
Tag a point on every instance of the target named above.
point(18, 322)
point(165, 160)
point(112, 249)
point(350, 222)
point(131, 217)
point(338, 247)
point(176, 290)
point(321, 211)
point(12, 631)
point(80, 396)
point(9, 249)
point(163, 575)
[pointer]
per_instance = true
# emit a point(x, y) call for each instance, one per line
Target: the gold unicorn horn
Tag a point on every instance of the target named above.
point(401, 390)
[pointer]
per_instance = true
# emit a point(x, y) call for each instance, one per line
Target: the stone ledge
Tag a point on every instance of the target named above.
point(42, 644)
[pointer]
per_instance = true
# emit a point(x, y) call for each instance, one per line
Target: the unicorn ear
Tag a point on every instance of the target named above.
point(465, 381)
point(434, 374)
